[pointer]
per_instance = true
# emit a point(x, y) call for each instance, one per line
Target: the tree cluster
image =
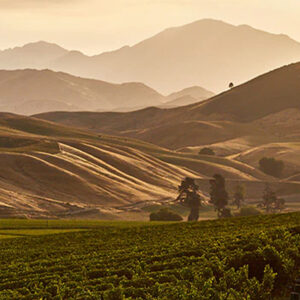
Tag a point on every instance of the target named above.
point(206, 151)
point(270, 201)
point(271, 166)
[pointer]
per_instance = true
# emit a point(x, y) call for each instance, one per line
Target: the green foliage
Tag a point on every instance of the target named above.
point(225, 213)
point(271, 166)
point(219, 195)
point(165, 214)
point(270, 202)
point(237, 258)
point(249, 211)
point(239, 195)
point(188, 196)
point(206, 151)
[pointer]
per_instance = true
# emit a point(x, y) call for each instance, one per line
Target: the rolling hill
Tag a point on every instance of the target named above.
point(32, 91)
point(51, 170)
point(287, 152)
point(259, 118)
point(209, 53)
point(267, 94)
point(265, 109)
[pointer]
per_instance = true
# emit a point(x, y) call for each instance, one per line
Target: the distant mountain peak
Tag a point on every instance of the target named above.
point(39, 45)
point(45, 90)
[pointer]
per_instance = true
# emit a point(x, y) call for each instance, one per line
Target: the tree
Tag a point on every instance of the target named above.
point(189, 196)
point(165, 214)
point(231, 85)
point(219, 195)
point(270, 202)
point(269, 198)
point(239, 195)
point(279, 204)
point(206, 151)
point(271, 166)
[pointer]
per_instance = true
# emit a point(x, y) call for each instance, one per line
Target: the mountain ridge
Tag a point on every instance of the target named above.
point(177, 57)
point(46, 90)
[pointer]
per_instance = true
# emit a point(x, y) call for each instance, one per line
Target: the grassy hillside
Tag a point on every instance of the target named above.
point(254, 257)
point(51, 170)
point(265, 109)
point(269, 93)
point(287, 152)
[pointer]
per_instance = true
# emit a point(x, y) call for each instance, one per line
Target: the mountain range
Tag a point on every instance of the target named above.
point(207, 53)
point(31, 91)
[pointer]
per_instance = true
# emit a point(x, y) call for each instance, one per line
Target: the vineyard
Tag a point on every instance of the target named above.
point(238, 258)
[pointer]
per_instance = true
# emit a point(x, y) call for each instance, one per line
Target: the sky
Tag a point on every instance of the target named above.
point(94, 26)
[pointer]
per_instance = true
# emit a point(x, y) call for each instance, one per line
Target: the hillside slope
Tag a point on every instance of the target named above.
point(267, 94)
point(47, 169)
point(31, 91)
point(265, 109)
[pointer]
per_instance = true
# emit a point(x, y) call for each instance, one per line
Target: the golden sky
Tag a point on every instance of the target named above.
point(94, 26)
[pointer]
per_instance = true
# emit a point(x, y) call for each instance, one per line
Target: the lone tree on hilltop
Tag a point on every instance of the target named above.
point(231, 85)
point(239, 195)
point(219, 195)
point(189, 196)
point(271, 166)
point(206, 151)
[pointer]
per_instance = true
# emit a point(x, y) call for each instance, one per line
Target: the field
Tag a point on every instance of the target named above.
point(238, 258)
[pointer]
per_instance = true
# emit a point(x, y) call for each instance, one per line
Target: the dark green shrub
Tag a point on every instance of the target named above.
point(249, 211)
point(165, 214)
point(206, 151)
point(271, 166)
point(226, 213)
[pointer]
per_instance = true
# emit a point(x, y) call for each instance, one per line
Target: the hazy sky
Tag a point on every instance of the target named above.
point(93, 26)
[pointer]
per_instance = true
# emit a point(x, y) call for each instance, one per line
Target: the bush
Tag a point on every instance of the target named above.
point(271, 166)
point(249, 211)
point(165, 214)
point(225, 213)
point(206, 151)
